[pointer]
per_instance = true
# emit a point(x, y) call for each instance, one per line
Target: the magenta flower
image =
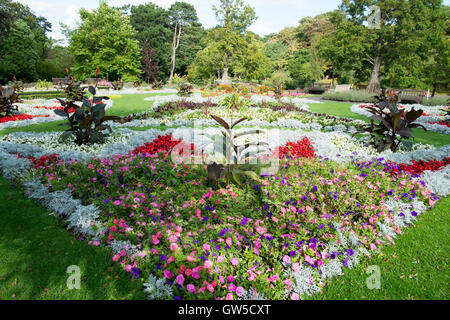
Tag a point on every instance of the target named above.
point(167, 274)
point(179, 279)
point(190, 288)
point(240, 291)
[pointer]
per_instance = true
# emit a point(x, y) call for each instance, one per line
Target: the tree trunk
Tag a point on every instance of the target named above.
point(175, 45)
point(374, 83)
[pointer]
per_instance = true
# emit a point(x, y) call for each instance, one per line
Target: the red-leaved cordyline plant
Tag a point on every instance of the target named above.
point(394, 126)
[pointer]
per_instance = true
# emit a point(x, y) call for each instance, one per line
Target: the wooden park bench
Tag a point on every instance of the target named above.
point(410, 95)
point(319, 87)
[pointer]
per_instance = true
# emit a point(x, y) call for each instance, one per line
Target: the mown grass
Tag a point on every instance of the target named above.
point(416, 267)
point(36, 250)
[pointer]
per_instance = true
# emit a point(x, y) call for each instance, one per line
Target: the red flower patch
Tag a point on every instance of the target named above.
point(300, 149)
point(417, 167)
point(42, 162)
point(21, 117)
point(163, 144)
point(442, 123)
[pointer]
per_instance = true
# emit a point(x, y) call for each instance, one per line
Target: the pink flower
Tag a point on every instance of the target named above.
point(190, 288)
point(230, 278)
point(294, 296)
point(240, 291)
point(179, 279)
point(167, 274)
point(287, 282)
point(173, 246)
point(128, 268)
point(260, 230)
point(117, 202)
point(229, 296)
point(273, 278)
point(320, 263)
point(220, 259)
point(372, 246)
point(296, 267)
point(190, 258)
point(232, 287)
point(208, 264)
point(116, 257)
point(229, 241)
point(234, 261)
point(206, 247)
point(286, 259)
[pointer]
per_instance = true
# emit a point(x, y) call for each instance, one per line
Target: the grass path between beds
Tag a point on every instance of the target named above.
point(36, 250)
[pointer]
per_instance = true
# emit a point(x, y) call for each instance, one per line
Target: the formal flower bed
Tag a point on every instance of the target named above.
point(173, 111)
point(331, 203)
point(167, 223)
point(278, 238)
point(37, 111)
point(433, 118)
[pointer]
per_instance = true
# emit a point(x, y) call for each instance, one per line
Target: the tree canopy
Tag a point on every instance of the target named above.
point(106, 40)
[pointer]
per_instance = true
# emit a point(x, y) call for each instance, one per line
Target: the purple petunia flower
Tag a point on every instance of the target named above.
point(350, 252)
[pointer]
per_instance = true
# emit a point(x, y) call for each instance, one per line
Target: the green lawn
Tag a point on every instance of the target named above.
point(35, 251)
point(415, 267)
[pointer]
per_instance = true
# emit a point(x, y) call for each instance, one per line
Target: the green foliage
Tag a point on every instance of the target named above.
point(73, 89)
point(7, 99)
point(42, 95)
point(117, 85)
point(152, 25)
point(23, 41)
point(53, 66)
point(235, 154)
point(19, 54)
point(436, 101)
point(395, 126)
point(17, 85)
point(185, 89)
point(87, 122)
point(105, 39)
point(399, 44)
point(351, 95)
point(43, 84)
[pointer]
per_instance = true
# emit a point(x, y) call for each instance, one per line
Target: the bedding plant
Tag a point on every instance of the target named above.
point(278, 238)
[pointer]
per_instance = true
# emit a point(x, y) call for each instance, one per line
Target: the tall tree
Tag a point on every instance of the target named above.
point(12, 13)
point(153, 26)
point(105, 39)
point(20, 56)
point(404, 30)
point(234, 19)
point(150, 64)
point(182, 15)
